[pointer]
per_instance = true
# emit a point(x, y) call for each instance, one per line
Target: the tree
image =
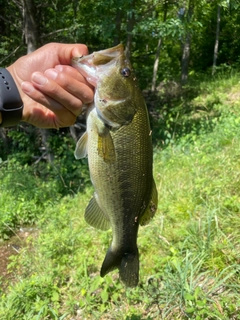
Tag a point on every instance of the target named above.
point(118, 22)
point(130, 26)
point(215, 54)
point(159, 45)
point(185, 14)
point(31, 34)
point(30, 28)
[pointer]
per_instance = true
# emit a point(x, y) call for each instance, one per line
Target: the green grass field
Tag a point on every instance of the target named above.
point(189, 253)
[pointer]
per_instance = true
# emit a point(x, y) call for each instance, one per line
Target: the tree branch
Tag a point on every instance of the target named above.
point(10, 54)
point(51, 33)
point(10, 20)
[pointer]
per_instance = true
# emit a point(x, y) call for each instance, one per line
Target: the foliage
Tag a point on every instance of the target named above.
point(27, 189)
point(72, 174)
point(189, 252)
point(23, 197)
point(184, 113)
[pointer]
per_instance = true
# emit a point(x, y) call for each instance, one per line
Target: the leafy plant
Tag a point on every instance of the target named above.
point(189, 262)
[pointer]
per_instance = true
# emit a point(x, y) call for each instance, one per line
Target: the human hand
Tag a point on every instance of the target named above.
point(53, 92)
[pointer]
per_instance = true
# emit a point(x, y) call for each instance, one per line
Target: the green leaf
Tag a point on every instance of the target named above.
point(55, 296)
point(189, 310)
point(104, 296)
point(189, 297)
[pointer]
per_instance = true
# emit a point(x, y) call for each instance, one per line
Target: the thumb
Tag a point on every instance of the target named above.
point(79, 50)
point(67, 51)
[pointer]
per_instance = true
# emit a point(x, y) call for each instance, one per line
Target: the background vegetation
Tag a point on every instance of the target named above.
point(186, 55)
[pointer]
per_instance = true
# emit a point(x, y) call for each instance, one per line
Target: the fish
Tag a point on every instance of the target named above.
point(118, 145)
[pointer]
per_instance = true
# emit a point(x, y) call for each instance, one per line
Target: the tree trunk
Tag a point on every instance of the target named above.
point(31, 38)
point(186, 47)
point(155, 66)
point(118, 27)
point(185, 59)
point(45, 133)
point(215, 54)
point(30, 25)
point(157, 57)
point(130, 26)
point(3, 137)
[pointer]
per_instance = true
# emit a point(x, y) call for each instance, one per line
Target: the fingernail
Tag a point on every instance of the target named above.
point(27, 87)
point(51, 73)
point(59, 68)
point(77, 53)
point(39, 78)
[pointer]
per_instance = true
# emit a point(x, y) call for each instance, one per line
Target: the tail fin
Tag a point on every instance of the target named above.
point(127, 263)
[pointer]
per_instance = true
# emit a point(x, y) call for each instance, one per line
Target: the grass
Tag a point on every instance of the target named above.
point(190, 261)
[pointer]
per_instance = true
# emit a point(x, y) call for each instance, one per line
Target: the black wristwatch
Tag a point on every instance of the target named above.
point(11, 105)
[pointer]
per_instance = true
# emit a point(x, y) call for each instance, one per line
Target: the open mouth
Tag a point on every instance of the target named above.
point(92, 65)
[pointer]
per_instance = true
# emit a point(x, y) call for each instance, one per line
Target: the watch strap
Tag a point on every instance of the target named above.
point(11, 105)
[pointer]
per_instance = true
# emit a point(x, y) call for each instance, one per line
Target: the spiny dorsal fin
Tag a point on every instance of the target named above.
point(95, 217)
point(81, 147)
point(149, 213)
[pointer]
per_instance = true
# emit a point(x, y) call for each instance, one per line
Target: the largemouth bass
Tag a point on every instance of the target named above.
point(119, 147)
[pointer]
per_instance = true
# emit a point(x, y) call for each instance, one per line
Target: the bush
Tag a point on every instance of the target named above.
point(23, 196)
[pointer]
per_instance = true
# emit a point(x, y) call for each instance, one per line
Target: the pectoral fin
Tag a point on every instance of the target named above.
point(81, 147)
point(151, 208)
point(95, 217)
point(106, 148)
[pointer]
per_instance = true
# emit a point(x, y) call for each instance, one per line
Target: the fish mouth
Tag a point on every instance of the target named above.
point(92, 65)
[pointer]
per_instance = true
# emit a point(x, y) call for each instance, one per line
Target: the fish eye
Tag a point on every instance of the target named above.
point(125, 72)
